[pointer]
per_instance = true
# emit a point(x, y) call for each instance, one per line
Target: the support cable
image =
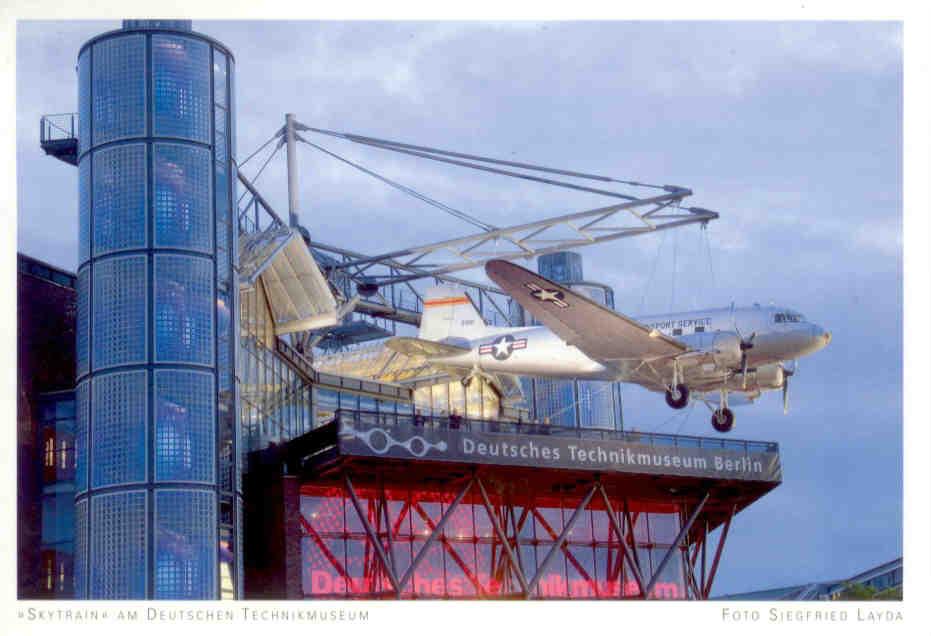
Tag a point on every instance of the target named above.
point(646, 287)
point(262, 147)
point(262, 169)
point(406, 190)
point(675, 265)
point(426, 150)
point(510, 173)
point(714, 285)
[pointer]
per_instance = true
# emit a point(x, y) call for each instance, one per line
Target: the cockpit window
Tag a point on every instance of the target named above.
point(788, 316)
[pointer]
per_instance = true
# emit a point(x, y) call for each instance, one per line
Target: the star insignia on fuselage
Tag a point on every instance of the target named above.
point(554, 296)
point(502, 348)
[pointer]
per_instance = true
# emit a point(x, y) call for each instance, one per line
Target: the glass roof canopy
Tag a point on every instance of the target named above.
point(299, 296)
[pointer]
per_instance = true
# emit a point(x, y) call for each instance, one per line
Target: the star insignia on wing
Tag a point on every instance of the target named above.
point(554, 296)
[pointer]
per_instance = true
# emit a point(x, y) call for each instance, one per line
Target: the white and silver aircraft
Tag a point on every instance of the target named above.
point(705, 355)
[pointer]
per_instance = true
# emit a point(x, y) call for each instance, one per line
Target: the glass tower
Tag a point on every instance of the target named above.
point(158, 496)
point(573, 403)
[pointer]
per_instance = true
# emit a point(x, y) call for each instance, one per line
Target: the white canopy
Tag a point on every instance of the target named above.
point(299, 296)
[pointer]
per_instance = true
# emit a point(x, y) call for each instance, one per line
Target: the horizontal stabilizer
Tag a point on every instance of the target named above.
point(426, 348)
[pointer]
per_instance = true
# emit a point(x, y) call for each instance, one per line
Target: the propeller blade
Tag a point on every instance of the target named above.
point(785, 395)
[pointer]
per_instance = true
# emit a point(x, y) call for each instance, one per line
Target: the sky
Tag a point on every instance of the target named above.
point(792, 131)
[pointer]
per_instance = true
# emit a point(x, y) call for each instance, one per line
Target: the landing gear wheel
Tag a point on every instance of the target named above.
point(679, 398)
point(722, 420)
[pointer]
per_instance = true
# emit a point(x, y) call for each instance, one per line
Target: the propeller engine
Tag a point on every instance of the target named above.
point(745, 345)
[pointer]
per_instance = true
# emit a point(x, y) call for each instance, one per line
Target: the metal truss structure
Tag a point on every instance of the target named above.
point(381, 286)
point(529, 240)
point(624, 575)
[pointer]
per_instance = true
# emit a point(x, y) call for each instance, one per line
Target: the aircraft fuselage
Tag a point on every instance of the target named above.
point(776, 334)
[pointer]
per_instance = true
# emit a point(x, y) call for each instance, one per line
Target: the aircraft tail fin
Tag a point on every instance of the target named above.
point(449, 314)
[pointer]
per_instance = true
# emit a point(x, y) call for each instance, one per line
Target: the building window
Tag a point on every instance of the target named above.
point(50, 452)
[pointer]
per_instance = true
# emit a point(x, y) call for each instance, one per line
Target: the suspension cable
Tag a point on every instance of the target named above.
point(406, 190)
point(259, 173)
point(646, 286)
point(397, 146)
point(262, 147)
point(675, 265)
point(714, 285)
point(510, 173)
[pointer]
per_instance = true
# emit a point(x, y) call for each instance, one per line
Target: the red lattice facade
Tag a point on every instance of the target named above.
point(467, 559)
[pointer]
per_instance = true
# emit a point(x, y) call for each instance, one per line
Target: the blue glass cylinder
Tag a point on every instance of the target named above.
point(157, 484)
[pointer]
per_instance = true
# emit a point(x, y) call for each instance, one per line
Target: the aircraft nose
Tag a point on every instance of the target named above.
point(820, 336)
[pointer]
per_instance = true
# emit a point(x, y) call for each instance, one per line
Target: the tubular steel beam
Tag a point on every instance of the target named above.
point(292, 171)
point(466, 257)
point(622, 541)
point(434, 535)
point(376, 541)
point(503, 537)
point(383, 503)
point(571, 557)
point(633, 546)
point(325, 550)
point(258, 197)
point(687, 563)
point(689, 570)
point(717, 552)
point(704, 542)
point(561, 539)
point(675, 545)
point(451, 551)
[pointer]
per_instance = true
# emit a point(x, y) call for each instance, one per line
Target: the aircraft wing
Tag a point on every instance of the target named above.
point(426, 348)
point(603, 335)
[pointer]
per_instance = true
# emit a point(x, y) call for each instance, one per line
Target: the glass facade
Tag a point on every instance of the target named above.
point(57, 435)
point(183, 197)
point(185, 301)
point(119, 325)
point(468, 560)
point(181, 87)
point(185, 537)
point(118, 442)
point(118, 89)
point(561, 267)
point(118, 562)
point(155, 437)
point(119, 196)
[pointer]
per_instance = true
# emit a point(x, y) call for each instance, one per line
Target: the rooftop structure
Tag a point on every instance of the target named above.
point(376, 506)
point(882, 578)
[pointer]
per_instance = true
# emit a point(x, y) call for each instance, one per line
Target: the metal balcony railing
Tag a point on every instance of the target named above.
point(59, 127)
point(58, 136)
point(443, 422)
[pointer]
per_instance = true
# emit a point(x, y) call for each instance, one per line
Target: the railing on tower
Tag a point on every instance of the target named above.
point(58, 136)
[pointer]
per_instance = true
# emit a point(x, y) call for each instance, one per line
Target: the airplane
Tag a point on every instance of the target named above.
point(689, 355)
